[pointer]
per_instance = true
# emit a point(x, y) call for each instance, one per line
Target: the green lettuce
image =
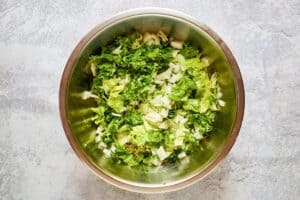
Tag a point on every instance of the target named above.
point(155, 99)
point(116, 102)
point(138, 88)
point(182, 90)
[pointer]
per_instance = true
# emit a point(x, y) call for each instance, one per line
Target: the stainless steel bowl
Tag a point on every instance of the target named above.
point(75, 112)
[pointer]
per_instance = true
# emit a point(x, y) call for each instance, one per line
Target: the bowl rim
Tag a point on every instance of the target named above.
point(147, 188)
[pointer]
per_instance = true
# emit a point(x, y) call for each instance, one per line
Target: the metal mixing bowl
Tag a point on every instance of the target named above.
point(75, 112)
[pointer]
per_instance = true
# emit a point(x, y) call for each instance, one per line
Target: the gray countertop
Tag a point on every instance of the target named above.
point(36, 38)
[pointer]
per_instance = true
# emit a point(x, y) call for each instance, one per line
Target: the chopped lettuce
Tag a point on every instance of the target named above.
point(182, 89)
point(138, 88)
point(189, 52)
point(155, 99)
point(116, 102)
point(133, 118)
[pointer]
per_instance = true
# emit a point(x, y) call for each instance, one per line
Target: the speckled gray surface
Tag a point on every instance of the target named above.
point(36, 38)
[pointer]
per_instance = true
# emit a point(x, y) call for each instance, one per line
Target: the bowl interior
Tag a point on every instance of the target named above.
point(79, 113)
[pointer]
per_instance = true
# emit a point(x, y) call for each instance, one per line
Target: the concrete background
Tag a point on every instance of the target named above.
point(36, 38)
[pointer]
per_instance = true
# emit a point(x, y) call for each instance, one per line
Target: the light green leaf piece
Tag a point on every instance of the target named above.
point(116, 102)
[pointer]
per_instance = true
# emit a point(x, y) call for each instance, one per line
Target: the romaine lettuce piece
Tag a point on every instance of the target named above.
point(182, 89)
point(116, 102)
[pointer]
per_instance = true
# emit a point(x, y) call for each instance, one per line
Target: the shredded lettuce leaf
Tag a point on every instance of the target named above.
point(155, 99)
